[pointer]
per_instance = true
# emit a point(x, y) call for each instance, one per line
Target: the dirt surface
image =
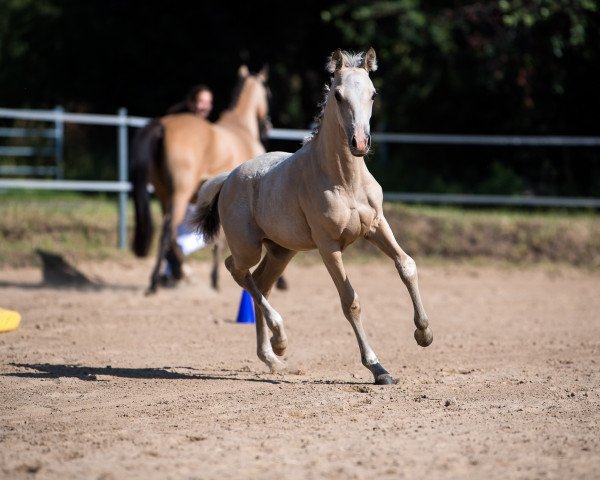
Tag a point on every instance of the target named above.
point(104, 383)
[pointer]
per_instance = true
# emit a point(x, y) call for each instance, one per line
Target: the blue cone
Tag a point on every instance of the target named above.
point(246, 311)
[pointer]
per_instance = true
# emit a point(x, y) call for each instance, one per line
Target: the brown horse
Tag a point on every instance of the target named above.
point(176, 153)
point(321, 197)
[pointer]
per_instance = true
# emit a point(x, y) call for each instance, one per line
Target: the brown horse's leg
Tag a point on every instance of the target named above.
point(332, 257)
point(174, 262)
point(383, 238)
point(176, 256)
point(218, 248)
point(163, 247)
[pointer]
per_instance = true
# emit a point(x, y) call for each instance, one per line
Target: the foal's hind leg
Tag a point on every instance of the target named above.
point(265, 275)
point(332, 257)
point(266, 315)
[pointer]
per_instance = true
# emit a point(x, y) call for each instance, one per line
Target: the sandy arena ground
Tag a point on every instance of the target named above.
point(109, 384)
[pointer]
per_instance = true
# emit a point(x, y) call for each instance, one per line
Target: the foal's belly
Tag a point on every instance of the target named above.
point(287, 228)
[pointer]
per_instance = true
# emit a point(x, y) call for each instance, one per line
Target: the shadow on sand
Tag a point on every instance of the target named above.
point(91, 373)
point(59, 274)
point(85, 373)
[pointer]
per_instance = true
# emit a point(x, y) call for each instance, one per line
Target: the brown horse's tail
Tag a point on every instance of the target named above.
point(206, 219)
point(146, 149)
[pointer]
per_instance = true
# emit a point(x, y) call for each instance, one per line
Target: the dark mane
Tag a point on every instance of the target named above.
point(318, 117)
point(237, 91)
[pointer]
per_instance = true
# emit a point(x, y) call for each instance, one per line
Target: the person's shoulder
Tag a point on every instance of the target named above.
point(180, 107)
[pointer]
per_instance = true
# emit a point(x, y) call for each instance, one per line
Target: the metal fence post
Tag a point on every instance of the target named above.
point(59, 131)
point(123, 177)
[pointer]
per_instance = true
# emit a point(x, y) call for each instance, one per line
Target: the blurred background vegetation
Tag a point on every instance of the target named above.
point(496, 67)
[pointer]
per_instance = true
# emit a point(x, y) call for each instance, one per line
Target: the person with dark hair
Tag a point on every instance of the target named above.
point(199, 101)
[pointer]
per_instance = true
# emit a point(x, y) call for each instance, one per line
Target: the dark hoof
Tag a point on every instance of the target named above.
point(167, 281)
point(150, 291)
point(424, 337)
point(281, 284)
point(384, 379)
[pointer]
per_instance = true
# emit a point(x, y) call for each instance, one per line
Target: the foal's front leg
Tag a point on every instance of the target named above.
point(383, 238)
point(332, 257)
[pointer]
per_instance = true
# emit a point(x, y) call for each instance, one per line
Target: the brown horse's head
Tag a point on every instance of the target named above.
point(252, 93)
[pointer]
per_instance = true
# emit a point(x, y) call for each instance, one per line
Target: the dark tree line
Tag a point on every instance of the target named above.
point(498, 67)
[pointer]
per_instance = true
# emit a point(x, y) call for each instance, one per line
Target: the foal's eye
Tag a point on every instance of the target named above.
point(373, 96)
point(338, 96)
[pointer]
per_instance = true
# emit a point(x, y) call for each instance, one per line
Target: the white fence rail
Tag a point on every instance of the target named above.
point(54, 134)
point(122, 121)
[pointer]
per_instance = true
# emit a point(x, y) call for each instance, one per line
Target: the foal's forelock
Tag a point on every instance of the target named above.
point(349, 60)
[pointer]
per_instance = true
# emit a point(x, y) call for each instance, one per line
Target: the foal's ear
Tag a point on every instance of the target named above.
point(336, 61)
point(243, 71)
point(370, 64)
point(264, 73)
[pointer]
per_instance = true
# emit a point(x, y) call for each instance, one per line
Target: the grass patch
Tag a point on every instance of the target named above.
point(84, 227)
point(501, 234)
point(78, 226)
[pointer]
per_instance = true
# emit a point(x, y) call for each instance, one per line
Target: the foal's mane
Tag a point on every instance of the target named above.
point(349, 60)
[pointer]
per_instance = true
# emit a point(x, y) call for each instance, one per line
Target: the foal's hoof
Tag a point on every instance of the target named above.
point(424, 337)
point(384, 379)
point(275, 364)
point(280, 347)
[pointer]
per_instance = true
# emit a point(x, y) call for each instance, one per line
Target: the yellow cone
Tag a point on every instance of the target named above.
point(9, 320)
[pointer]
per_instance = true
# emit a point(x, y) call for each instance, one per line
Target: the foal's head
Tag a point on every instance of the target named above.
point(354, 94)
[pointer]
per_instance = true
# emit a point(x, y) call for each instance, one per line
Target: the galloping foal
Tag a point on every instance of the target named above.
point(177, 152)
point(320, 197)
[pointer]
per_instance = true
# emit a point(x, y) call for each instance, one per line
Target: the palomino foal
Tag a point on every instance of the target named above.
point(320, 197)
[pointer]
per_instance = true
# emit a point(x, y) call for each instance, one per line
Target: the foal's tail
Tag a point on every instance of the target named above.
point(206, 219)
point(146, 148)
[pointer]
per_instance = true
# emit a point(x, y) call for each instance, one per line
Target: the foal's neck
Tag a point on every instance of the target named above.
point(333, 153)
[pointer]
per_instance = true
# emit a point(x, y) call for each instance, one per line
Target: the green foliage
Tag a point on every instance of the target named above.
point(502, 180)
point(521, 58)
point(19, 22)
point(504, 67)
